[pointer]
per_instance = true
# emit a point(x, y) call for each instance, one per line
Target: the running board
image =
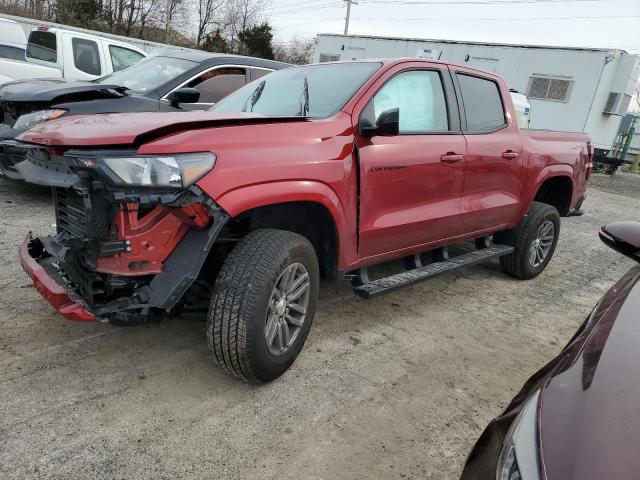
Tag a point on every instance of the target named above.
point(387, 284)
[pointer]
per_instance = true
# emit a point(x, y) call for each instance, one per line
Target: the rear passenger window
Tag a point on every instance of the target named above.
point(42, 46)
point(419, 96)
point(86, 56)
point(216, 84)
point(482, 103)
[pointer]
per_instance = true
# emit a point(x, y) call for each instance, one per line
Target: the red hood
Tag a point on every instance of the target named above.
point(590, 420)
point(134, 128)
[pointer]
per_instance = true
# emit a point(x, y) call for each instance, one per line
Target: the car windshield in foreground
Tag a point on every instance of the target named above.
point(317, 91)
point(148, 74)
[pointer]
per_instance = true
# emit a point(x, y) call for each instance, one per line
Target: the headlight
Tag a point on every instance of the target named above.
point(519, 457)
point(176, 171)
point(33, 118)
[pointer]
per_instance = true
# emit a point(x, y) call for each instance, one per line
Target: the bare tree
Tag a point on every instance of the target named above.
point(172, 6)
point(241, 15)
point(297, 51)
point(207, 18)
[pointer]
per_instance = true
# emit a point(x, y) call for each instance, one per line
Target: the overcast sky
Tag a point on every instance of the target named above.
point(593, 23)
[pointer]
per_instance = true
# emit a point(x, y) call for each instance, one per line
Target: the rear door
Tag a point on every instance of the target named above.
point(410, 184)
point(494, 159)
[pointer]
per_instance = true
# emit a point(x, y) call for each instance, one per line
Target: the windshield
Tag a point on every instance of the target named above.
point(148, 74)
point(317, 91)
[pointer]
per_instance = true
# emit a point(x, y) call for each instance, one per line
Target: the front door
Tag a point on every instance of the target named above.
point(411, 183)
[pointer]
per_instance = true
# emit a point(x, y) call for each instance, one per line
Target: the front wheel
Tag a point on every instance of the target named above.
point(263, 304)
point(534, 239)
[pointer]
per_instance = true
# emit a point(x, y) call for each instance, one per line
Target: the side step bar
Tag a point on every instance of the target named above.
point(387, 284)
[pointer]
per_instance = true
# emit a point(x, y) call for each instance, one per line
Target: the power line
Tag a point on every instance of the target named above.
point(302, 5)
point(471, 2)
point(305, 8)
point(439, 19)
point(284, 6)
point(326, 19)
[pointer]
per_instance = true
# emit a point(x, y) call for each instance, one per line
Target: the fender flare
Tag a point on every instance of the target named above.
point(551, 171)
point(243, 199)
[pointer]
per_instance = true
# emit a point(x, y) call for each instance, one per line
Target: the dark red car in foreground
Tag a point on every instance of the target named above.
point(318, 170)
point(578, 418)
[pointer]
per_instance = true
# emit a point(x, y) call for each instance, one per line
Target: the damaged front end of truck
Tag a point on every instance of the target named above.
point(132, 231)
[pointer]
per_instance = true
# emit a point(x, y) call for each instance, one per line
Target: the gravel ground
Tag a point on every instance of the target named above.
point(396, 387)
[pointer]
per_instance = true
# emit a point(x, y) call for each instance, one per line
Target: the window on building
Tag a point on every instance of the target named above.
point(482, 103)
point(329, 57)
point(419, 97)
point(549, 88)
point(122, 58)
point(216, 84)
point(86, 56)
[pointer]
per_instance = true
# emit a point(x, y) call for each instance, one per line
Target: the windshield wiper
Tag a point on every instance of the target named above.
point(254, 97)
point(304, 108)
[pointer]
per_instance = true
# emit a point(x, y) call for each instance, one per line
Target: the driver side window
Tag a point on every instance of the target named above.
point(419, 96)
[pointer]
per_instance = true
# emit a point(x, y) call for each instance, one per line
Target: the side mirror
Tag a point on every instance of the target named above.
point(623, 237)
point(387, 124)
point(183, 95)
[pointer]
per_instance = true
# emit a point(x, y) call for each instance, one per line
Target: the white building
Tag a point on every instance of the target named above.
point(570, 89)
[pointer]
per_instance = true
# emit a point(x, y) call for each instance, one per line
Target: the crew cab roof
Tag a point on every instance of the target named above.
point(389, 62)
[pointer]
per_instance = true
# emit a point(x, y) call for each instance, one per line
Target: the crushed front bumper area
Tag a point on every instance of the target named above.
point(157, 293)
point(46, 283)
point(124, 254)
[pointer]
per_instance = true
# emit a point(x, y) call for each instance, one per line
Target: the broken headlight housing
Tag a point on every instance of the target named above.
point(30, 119)
point(173, 171)
point(519, 457)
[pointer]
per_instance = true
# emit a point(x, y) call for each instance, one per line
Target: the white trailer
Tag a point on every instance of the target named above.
point(570, 89)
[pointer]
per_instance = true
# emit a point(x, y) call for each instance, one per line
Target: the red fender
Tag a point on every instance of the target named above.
point(545, 174)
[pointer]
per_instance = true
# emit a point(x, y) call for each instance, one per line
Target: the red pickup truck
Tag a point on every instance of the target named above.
point(317, 171)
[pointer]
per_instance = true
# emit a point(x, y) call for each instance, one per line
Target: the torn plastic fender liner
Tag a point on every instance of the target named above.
point(181, 269)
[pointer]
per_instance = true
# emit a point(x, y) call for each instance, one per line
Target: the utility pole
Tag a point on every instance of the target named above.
point(346, 22)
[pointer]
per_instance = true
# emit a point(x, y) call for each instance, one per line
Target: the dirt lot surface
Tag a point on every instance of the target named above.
point(396, 387)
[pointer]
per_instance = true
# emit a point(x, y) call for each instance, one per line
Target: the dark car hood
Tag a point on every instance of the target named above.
point(39, 91)
point(590, 416)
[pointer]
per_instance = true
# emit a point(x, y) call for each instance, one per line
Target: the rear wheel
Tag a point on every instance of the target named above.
point(534, 239)
point(263, 304)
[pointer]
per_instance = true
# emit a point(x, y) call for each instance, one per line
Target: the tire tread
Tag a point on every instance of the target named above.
point(513, 263)
point(234, 299)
